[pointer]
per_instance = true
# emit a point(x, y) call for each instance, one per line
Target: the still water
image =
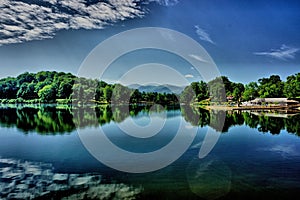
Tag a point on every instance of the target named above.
point(256, 156)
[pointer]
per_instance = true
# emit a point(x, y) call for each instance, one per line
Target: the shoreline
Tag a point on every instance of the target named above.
point(294, 108)
point(232, 108)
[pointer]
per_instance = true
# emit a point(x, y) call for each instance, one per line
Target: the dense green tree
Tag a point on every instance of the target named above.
point(65, 90)
point(292, 86)
point(136, 96)
point(270, 87)
point(201, 90)
point(27, 91)
point(107, 93)
point(251, 91)
point(121, 94)
point(8, 88)
point(217, 90)
point(238, 89)
point(28, 86)
point(47, 94)
point(25, 78)
point(99, 93)
point(188, 95)
point(227, 84)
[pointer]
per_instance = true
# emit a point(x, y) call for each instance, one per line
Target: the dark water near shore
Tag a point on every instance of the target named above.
point(257, 155)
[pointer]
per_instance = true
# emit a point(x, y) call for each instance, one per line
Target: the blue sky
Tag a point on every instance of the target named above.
point(246, 39)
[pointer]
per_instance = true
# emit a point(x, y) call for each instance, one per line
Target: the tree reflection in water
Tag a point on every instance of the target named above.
point(263, 123)
point(53, 120)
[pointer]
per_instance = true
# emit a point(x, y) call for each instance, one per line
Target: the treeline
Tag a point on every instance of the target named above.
point(221, 89)
point(60, 87)
point(53, 87)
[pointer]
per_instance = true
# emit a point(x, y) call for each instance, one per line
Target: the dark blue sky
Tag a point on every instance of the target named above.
point(246, 39)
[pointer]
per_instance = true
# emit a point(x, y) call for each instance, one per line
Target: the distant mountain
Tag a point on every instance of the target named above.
point(158, 88)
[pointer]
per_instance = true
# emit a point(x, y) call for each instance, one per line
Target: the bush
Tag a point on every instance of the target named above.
point(64, 101)
point(20, 100)
point(12, 101)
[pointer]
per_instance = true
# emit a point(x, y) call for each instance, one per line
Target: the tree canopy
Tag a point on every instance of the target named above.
point(50, 87)
point(222, 89)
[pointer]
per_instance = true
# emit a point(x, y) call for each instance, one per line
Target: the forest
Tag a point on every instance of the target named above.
point(221, 89)
point(65, 88)
point(60, 87)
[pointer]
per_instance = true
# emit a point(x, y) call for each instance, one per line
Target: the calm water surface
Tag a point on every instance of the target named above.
point(256, 157)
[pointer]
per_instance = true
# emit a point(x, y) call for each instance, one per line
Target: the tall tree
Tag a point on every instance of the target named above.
point(188, 95)
point(238, 89)
point(251, 91)
point(292, 86)
point(47, 94)
point(27, 91)
point(217, 90)
point(107, 93)
point(270, 87)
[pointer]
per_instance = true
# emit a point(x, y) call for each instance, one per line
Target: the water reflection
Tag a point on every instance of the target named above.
point(263, 122)
point(242, 165)
point(52, 120)
point(36, 180)
point(209, 178)
point(43, 120)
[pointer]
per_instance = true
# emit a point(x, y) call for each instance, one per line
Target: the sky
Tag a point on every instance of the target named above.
point(247, 40)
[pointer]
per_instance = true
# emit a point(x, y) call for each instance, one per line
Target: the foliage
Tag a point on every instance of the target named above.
point(60, 87)
point(188, 95)
point(221, 89)
point(47, 93)
point(251, 91)
point(48, 87)
point(53, 120)
point(292, 86)
point(217, 89)
point(270, 87)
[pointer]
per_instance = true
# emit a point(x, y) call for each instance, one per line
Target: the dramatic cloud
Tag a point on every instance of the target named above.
point(203, 35)
point(284, 53)
point(21, 21)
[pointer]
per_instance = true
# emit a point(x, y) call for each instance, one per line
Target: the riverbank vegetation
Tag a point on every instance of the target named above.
point(222, 89)
point(65, 88)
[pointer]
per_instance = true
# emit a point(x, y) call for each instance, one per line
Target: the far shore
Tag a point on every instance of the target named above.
point(294, 108)
point(221, 107)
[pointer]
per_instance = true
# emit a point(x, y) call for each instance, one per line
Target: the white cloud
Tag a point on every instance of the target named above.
point(196, 57)
point(203, 35)
point(188, 76)
point(284, 53)
point(22, 21)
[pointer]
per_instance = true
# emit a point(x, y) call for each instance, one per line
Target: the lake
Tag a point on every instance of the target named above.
point(251, 155)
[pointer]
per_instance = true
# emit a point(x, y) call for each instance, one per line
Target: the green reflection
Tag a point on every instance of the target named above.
point(60, 120)
point(263, 122)
point(54, 120)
